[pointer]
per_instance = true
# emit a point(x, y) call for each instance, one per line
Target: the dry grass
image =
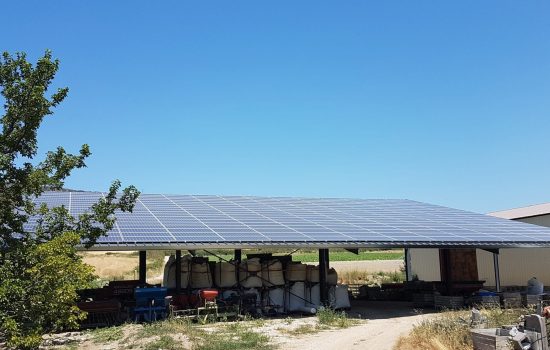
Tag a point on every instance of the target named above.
point(300, 330)
point(370, 278)
point(451, 330)
point(114, 266)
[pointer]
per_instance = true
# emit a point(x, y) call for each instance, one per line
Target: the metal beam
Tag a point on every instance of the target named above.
point(142, 268)
point(353, 250)
point(178, 271)
point(191, 246)
point(490, 250)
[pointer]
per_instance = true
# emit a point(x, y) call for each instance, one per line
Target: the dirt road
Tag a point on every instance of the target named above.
point(386, 323)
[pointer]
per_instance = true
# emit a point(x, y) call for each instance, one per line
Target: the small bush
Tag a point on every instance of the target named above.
point(451, 329)
point(331, 318)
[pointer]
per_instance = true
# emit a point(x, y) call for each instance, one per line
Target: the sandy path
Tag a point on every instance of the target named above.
point(374, 334)
point(386, 323)
point(368, 265)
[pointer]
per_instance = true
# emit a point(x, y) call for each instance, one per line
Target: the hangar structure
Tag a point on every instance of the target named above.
point(517, 265)
point(191, 222)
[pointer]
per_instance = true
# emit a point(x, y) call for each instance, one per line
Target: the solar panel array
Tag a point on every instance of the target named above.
point(240, 221)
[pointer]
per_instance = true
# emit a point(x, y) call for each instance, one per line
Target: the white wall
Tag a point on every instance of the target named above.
point(425, 264)
point(517, 265)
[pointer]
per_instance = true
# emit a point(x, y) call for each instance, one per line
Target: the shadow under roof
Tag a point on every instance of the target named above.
point(202, 222)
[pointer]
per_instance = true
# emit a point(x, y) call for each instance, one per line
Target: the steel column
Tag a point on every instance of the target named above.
point(408, 273)
point(178, 271)
point(323, 270)
point(142, 268)
point(238, 255)
point(497, 272)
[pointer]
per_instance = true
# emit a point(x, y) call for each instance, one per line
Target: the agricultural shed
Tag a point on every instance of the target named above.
point(190, 222)
point(516, 265)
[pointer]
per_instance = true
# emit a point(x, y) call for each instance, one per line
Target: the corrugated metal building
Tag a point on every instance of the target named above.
point(517, 265)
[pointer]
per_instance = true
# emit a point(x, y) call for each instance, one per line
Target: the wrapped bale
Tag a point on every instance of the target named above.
point(169, 276)
point(272, 273)
point(332, 277)
point(296, 272)
point(201, 277)
point(275, 298)
point(225, 275)
point(296, 299)
point(313, 296)
point(312, 273)
point(251, 273)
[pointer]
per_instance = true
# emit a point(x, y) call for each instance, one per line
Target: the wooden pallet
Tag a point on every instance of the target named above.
point(489, 339)
point(448, 302)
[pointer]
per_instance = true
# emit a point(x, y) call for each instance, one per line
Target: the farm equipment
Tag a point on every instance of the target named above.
point(150, 304)
point(202, 306)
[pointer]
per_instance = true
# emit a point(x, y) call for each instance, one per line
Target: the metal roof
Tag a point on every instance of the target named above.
point(523, 212)
point(202, 222)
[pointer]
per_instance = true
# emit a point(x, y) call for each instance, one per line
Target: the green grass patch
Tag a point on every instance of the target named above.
point(331, 318)
point(107, 335)
point(234, 336)
point(166, 327)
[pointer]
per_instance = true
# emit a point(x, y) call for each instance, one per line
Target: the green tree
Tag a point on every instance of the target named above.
point(40, 271)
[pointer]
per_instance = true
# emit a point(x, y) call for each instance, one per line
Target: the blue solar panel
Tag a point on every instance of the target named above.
point(159, 220)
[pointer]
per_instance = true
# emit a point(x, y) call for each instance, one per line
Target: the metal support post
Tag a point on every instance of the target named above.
point(323, 271)
point(178, 271)
point(142, 267)
point(408, 272)
point(497, 271)
point(238, 255)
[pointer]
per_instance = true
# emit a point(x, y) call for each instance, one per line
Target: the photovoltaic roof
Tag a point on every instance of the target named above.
point(193, 222)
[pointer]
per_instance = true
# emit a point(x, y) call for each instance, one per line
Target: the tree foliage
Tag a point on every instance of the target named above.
point(39, 268)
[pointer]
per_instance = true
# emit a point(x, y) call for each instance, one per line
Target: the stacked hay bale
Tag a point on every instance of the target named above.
point(277, 284)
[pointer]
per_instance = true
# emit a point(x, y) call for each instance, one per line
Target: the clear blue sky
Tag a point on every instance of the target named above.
point(437, 101)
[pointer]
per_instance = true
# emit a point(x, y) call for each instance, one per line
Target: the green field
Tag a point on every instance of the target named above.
point(396, 254)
